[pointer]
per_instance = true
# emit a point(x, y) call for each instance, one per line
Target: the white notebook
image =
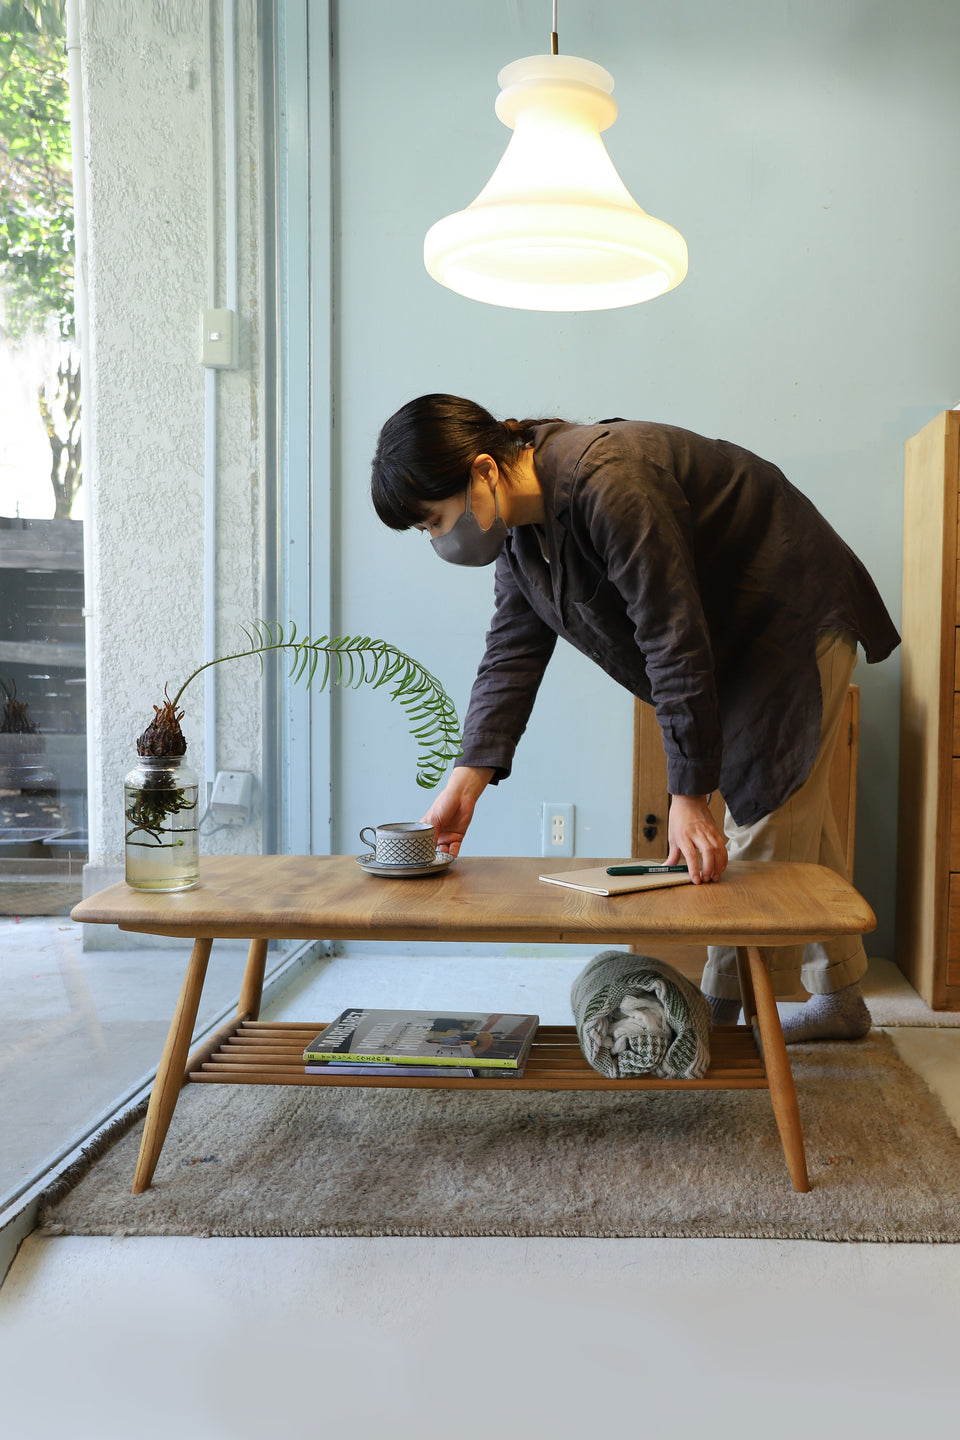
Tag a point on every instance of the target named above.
point(597, 882)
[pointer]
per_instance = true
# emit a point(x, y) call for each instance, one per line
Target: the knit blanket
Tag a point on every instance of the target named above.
point(636, 1015)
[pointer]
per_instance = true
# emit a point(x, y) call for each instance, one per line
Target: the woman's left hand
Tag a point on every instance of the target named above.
point(695, 838)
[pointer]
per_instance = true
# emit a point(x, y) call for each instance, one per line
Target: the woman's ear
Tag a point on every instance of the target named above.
point(485, 468)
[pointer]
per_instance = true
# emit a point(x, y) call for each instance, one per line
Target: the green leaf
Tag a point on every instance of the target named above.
point(355, 660)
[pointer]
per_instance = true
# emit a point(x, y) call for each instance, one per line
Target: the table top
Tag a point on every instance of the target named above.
point(483, 898)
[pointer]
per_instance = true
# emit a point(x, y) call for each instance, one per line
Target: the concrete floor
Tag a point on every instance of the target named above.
point(78, 1029)
point(254, 1337)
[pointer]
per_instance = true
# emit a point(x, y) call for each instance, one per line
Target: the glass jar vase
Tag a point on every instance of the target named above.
point(161, 831)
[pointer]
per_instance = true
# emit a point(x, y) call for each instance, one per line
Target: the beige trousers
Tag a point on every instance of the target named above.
point(802, 829)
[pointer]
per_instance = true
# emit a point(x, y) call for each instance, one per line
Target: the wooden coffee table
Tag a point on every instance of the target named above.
point(262, 897)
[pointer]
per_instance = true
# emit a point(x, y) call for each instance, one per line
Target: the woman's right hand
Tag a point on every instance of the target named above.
point(451, 812)
point(695, 838)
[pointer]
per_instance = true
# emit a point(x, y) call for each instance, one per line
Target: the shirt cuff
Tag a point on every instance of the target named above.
point(488, 752)
point(692, 777)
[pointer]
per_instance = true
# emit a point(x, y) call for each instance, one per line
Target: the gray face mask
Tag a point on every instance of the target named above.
point(467, 543)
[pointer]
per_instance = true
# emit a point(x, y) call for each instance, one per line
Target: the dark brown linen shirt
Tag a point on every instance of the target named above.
point(696, 576)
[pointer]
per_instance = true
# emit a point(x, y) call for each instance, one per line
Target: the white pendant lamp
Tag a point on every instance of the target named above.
point(555, 227)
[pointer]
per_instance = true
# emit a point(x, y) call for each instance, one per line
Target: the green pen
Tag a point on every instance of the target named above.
point(647, 869)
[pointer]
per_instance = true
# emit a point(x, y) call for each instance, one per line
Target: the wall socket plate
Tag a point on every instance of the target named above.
point(218, 340)
point(231, 799)
point(556, 827)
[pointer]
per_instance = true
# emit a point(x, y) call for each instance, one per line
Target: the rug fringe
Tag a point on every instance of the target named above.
point(96, 1146)
point(468, 1233)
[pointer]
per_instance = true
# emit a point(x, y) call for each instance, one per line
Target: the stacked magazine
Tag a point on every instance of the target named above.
point(419, 1042)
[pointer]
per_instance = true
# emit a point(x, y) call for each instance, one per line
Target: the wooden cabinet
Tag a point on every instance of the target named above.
point(651, 800)
point(650, 797)
point(928, 874)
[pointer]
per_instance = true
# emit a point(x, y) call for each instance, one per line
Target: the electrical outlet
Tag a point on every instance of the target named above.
point(231, 799)
point(556, 828)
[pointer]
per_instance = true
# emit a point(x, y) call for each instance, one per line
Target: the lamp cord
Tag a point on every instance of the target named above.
point(554, 38)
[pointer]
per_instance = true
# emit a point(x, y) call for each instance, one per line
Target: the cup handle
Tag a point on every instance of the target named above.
point(363, 836)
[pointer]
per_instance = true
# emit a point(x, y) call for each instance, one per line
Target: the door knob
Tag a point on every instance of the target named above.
point(649, 832)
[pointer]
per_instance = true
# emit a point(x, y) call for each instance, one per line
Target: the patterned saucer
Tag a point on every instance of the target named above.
point(441, 861)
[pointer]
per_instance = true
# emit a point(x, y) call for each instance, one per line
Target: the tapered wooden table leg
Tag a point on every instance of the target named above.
point(783, 1093)
point(170, 1075)
point(746, 986)
point(251, 992)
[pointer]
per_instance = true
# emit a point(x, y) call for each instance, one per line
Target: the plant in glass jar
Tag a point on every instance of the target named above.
point(162, 832)
point(160, 797)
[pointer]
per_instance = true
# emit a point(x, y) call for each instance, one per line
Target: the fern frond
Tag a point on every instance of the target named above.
point(355, 660)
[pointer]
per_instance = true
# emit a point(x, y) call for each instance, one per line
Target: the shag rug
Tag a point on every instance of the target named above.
point(892, 1000)
point(248, 1160)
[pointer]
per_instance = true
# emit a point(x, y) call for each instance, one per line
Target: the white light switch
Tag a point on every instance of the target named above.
point(218, 339)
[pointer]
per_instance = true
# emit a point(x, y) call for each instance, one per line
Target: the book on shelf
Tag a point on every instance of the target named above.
point(456, 1072)
point(422, 1037)
point(596, 881)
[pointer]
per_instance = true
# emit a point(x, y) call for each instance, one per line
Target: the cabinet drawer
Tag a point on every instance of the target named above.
point(955, 821)
point(953, 933)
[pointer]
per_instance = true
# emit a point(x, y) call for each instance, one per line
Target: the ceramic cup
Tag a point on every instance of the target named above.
point(401, 842)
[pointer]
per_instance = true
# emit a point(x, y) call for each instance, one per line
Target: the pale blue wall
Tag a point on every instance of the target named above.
point(808, 155)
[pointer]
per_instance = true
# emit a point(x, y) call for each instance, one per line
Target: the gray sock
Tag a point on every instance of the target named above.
point(723, 1012)
point(840, 1016)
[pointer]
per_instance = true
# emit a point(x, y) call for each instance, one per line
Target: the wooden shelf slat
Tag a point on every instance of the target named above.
point(268, 1053)
point(589, 1080)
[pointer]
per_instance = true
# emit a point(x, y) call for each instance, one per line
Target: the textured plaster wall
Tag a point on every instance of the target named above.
point(147, 103)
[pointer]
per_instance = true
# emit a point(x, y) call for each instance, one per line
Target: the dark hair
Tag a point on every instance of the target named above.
point(425, 451)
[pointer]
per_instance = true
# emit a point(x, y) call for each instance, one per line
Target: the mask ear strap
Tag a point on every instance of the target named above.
point(468, 506)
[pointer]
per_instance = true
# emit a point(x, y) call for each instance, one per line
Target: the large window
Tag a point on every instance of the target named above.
point(43, 810)
point(82, 1027)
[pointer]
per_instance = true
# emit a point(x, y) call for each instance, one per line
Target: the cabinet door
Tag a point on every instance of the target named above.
point(651, 800)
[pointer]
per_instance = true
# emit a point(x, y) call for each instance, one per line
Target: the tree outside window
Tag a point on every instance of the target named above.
point(37, 227)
